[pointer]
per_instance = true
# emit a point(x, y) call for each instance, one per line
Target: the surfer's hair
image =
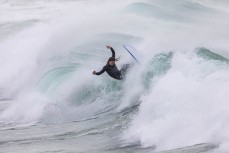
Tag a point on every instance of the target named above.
point(112, 59)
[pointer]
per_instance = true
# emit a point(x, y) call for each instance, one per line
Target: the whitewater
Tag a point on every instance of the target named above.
point(175, 101)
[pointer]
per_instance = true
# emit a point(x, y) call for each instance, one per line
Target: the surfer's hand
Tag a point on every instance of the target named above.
point(109, 47)
point(94, 72)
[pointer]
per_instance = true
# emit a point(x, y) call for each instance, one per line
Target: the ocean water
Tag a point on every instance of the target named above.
point(176, 101)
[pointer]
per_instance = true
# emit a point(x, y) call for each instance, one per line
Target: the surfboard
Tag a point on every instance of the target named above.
point(133, 53)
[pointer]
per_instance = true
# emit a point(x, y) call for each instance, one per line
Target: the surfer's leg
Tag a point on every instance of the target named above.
point(124, 69)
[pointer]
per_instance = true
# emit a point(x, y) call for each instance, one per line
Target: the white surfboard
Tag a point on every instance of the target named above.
point(134, 53)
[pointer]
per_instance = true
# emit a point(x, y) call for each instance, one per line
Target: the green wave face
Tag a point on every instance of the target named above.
point(156, 67)
point(54, 78)
point(209, 55)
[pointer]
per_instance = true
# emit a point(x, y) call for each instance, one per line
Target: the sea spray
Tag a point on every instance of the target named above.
point(188, 105)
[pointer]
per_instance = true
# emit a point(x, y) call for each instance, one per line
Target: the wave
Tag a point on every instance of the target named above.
point(176, 98)
point(186, 106)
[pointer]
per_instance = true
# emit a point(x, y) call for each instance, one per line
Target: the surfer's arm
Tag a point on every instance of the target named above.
point(100, 72)
point(112, 50)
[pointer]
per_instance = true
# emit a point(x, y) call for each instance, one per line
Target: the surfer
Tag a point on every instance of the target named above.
point(112, 69)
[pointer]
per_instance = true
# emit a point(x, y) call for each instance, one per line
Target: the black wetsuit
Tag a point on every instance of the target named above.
point(112, 70)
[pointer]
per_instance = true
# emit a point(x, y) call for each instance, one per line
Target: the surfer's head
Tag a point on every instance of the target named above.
point(111, 61)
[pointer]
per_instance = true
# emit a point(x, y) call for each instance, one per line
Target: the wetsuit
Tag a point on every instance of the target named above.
point(113, 70)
